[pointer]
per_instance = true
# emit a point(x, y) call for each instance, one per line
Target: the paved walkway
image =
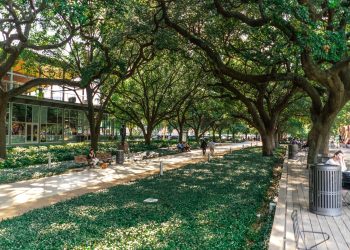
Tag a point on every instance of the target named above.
point(294, 194)
point(20, 197)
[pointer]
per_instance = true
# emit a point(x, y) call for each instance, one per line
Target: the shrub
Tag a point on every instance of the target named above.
point(33, 155)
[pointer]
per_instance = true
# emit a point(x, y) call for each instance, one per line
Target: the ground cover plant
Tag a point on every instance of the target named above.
point(25, 163)
point(9, 175)
point(216, 205)
point(32, 155)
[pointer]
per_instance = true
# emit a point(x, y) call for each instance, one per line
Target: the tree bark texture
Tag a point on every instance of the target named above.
point(318, 137)
point(268, 144)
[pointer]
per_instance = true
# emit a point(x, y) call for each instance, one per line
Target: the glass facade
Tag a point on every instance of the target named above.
point(34, 124)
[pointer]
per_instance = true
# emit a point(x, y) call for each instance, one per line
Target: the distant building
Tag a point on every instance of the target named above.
point(49, 114)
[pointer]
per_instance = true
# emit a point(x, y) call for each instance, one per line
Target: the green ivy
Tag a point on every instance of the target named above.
point(201, 206)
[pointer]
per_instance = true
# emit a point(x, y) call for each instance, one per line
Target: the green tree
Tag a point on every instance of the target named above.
point(182, 112)
point(105, 52)
point(312, 35)
point(204, 113)
point(153, 94)
point(32, 26)
point(296, 120)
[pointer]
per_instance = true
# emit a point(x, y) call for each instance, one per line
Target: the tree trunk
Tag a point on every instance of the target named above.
point(324, 148)
point(180, 131)
point(94, 134)
point(3, 110)
point(268, 143)
point(94, 141)
point(196, 134)
point(130, 131)
point(317, 137)
point(276, 140)
point(214, 132)
point(148, 134)
point(147, 137)
point(220, 134)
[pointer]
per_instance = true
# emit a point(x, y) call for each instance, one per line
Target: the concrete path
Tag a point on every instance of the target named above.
point(20, 197)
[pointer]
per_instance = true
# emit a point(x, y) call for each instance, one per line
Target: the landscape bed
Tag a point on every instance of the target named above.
point(218, 205)
point(25, 163)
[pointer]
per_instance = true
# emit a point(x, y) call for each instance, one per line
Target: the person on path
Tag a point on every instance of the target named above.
point(204, 146)
point(180, 146)
point(338, 159)
point(92, 158)
point(187, 147)
point(211, 146)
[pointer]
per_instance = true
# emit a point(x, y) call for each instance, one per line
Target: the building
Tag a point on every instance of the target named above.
point(49, 114)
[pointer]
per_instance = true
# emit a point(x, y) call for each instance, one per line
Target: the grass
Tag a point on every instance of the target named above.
point(212, 205)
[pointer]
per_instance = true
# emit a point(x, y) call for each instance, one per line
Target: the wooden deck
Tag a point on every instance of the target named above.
point(294, 194)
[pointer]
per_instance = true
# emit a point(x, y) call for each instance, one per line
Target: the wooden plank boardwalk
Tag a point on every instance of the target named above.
point(294, 194)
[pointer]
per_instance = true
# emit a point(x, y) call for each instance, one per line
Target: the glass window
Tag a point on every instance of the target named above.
point(60, 130)
point(18, 112)
point(35, 113)
point(43, 133)
point(51, 132)
point(29, 115)
point(59, 115)
point(43, 115)
point(18, 132)
point(73, 114)
point(52, 115)
point(73, 126)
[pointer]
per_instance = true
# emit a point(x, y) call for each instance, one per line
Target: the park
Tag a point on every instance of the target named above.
point(163, 124)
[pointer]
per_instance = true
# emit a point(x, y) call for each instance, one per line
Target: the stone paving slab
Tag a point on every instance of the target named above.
point(20, 197)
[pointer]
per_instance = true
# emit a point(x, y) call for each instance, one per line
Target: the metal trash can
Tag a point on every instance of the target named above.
point(292, 151)
point(323, 158)
point(119, 157)
point(325, 197)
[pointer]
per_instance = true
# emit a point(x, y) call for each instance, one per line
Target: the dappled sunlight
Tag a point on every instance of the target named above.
point(131, 204)
point(3, 232)
point(203, 205)
point(89, 212)
point(244, 185)
point(135, 237)
point(57, 228)
point(30, 191)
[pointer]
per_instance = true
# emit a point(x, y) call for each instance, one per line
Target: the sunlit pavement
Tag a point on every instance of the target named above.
point(20, 197)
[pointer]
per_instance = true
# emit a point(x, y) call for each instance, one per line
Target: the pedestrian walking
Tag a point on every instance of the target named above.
point(204, 146)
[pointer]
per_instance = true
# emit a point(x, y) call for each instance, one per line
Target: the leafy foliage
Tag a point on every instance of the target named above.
point(33, 155)
point(10, 175)
point(202, 206)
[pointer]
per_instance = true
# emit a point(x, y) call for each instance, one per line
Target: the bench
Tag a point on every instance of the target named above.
point(82, 159)
point(144, 155)
point(300, 234)
point(105, 157)
point(138, 156)
point(151, 154)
